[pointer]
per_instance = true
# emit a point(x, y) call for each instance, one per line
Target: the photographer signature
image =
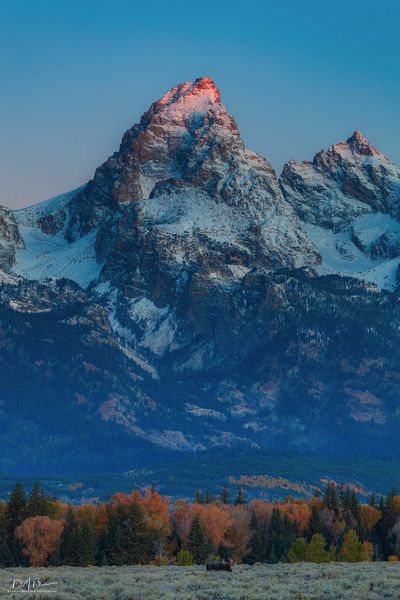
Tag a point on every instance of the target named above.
point(32, 584)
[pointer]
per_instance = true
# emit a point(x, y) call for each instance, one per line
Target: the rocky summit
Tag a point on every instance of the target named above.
point(185, 298)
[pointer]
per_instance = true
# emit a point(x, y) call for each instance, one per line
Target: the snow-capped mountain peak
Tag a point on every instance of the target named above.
point(197, 94)
point(358, 143)
point(348, 200)
point(204, 282)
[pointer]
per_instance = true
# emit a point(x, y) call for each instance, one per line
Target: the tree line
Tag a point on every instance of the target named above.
point(148, 528)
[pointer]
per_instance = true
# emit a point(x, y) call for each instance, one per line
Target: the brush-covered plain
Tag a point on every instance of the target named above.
point(301, 581)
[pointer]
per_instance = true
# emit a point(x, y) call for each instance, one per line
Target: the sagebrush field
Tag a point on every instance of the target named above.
point(334, 581)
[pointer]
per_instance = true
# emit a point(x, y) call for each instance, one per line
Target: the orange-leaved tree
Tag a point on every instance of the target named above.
point(40, 536)
point(156, 513)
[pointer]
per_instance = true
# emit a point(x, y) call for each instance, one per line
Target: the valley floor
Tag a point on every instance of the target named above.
point(333, 581)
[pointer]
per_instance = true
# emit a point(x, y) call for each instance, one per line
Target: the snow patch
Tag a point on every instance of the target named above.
point(341, 256)
point(199, 411)
point(158, 323)
point(47, 256)
point(50, 255)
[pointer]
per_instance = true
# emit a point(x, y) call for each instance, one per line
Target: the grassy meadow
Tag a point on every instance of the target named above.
point(332, 581)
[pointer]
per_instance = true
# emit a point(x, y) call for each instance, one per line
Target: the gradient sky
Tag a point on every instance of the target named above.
point(297, 76)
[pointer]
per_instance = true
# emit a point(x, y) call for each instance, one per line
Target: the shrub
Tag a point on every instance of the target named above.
point(184, 558)
point(297, 552)
point(352, 549)
point(315, 551)
point(312, 552)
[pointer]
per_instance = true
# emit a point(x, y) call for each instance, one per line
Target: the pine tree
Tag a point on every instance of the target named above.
point(355, 507)
point(114, 538)
point(4, 550)
point(137, 543)
point(225, 495)
point(209, 498)
point(101, 550)
point(15, 514)
point(257, 543)
point(330, 498)
point(315, 524)
point(37, 504)
point(88, 543)
point(388, 507)
point(70, 543)
point(345, 506)
point(198, 497)
point(276, 544)
point(197, 543)
point(289, 534)
point(240, 499)
point(224, 552)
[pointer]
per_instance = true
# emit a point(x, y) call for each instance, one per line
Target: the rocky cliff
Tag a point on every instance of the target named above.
point(185, 298)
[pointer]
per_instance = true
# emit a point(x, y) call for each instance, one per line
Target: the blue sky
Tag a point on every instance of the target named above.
point(297, 76)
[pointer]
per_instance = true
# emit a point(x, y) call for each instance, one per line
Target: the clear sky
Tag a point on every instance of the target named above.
point(298, 75)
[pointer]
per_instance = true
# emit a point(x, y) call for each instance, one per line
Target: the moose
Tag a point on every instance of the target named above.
point(225, 565)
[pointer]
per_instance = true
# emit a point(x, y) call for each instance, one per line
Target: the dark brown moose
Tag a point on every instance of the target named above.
point(220, 566)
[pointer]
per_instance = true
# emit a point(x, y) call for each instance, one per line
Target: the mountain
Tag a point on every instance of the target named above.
point(186, 299)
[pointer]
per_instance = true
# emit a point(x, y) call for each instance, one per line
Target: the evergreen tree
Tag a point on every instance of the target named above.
point(224, 552)
point(15, 514)
point(289, 534)
point(355, 508)
point(55, 558)
point(330, 497)
point(315, 524)
point(240, 499)
point(197, 543)
point(101, 550)
point(137, 543)
point(209, 498)
point(114, 538)
point(198, 497)
point(225, 495)
point(358, 517)
point(70, 543)
point(4, 550)
point(390, 513)
point(276, 543)
point(88, 543)
point(345, 506)
point(257, 543)
point(37, 504)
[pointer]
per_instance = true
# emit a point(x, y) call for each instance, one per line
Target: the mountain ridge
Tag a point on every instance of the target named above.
point(233, 308)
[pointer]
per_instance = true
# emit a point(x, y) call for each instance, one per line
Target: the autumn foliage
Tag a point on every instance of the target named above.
point(40, 536)
point(147, 527)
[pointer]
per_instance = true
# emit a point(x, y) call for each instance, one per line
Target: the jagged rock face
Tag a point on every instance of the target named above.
point(348, 199)
point(351, 179)
point(10, 238)
point(198, 211)
point(202, 302)
point(188, 144)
